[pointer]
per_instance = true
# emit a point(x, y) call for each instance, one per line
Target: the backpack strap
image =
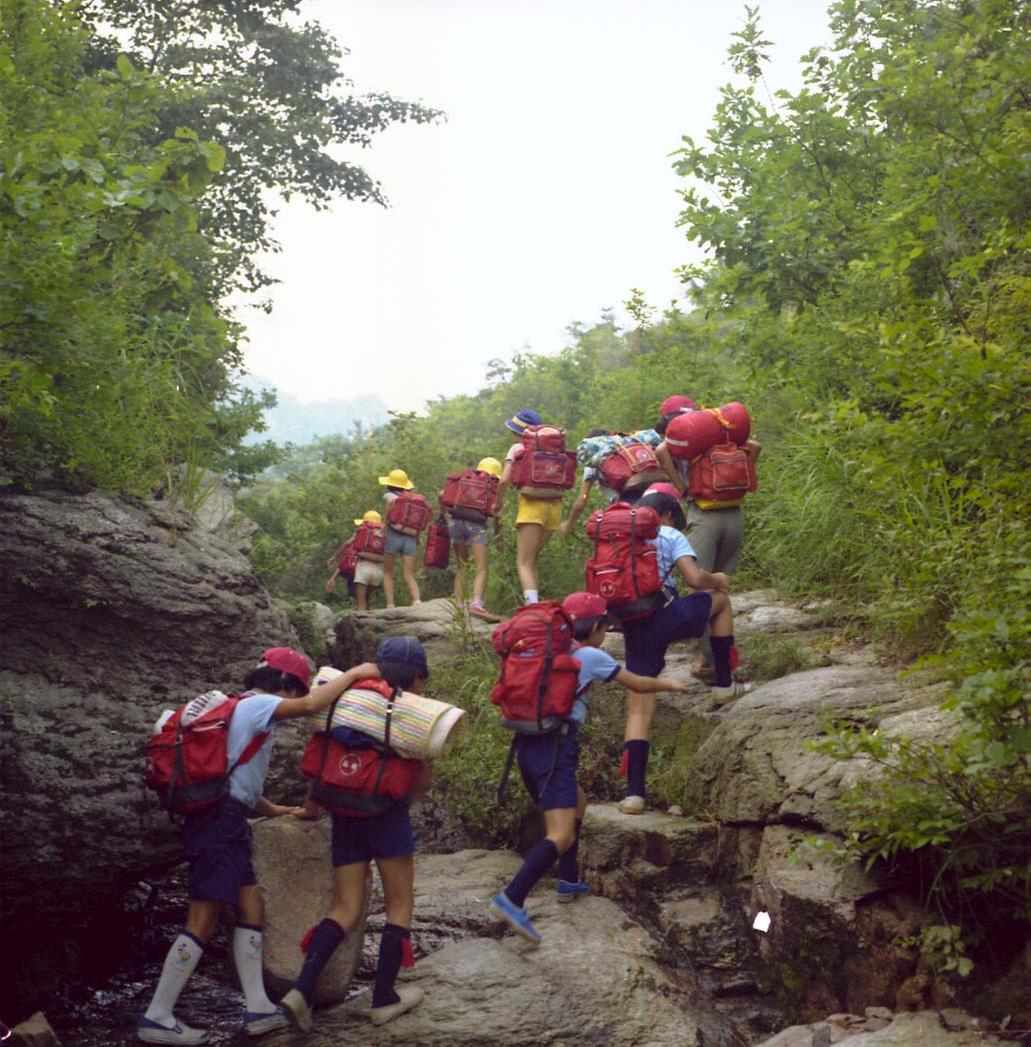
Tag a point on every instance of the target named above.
point(509, 760)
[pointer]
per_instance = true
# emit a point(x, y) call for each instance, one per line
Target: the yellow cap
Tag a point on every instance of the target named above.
point(489, 465)
point(397, 478)
point(370, 517)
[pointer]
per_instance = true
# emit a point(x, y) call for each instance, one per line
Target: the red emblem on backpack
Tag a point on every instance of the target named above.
point(537, 687)
point(409, 513)
point(624, 569)
point(544, 469)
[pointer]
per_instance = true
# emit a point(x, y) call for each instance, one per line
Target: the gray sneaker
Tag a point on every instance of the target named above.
point(725, 695)
point(296, 1009)
point(411, 996)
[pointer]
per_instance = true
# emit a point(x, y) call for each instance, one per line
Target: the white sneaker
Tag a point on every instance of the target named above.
point(296, 1009)
point(411, 996)
point(725, 695)
point(632, 805)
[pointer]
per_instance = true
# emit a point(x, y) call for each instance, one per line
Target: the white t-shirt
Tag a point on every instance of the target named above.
point(672, 545)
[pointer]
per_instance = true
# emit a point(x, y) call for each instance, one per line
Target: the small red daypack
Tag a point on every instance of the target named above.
point(624, 569)
point(724, 473)
point(470, 495)
point(438, 545)
point(363, 781)
point(409, 513)
point(631, 467)
point(545, 469)
point(347, 562)
point(370, 541)
point(188, 759)
point(537, 686)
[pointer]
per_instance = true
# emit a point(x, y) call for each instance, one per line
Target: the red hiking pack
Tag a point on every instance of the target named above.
point(724, 473)
point(358, 781)
point(631, 467)
point(188, 758)
point(438, 545)
point(690, 434)
point(537, 687)
point(409, 513)
point(370, 541)
point(624, 569)
point(470, 495)
point(545, 469)
point(347, 559)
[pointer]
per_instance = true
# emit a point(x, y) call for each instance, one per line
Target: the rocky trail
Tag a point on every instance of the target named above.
point(99, 599)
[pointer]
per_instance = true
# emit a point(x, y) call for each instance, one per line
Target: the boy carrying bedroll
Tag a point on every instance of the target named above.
point(569, 637)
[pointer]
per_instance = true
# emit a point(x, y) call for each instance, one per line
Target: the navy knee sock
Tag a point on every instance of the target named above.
point(637, 765)
point(721, 646)
point(391, 955)
point(568, 861)
point(324, 941)
point(534, 866)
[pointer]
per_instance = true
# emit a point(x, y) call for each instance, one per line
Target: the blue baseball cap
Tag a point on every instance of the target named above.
point(523, 419)
point(404, 650)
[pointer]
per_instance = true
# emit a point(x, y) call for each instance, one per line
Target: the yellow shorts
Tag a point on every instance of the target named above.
point(544, 511)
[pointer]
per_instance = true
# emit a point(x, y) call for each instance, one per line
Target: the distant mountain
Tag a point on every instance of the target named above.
point(292, 421)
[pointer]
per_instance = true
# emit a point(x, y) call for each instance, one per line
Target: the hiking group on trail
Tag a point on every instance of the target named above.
point(366, 763)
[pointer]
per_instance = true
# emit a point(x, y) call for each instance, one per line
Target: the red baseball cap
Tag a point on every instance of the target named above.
point(662, 487)
point(287, 660)
point(675, 404)
point(584, 605)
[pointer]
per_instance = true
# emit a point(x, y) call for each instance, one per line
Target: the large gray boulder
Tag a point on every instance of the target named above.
point(110, 611)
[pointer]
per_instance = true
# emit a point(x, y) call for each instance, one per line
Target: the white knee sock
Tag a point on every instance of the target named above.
point(530, 596)
point(180, 963)
point(247, 955)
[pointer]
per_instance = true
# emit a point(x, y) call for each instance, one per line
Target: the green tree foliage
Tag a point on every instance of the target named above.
point(252, 75)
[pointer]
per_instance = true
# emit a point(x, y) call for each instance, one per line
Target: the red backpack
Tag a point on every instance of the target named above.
point(631, 467)
point(624, 569)
point(409, 513)
point(347, 561)
point(545, 469)
point(724, 473)
point(470, 495)
point(537, 687)
point(370, 541)
point(438, 545)
point(188, 758)
point(358, 781)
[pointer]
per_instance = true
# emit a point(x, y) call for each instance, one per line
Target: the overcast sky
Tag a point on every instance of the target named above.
point(545, 196)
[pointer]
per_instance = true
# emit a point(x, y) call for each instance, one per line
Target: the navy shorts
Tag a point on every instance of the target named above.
point(401, 544)
point(647, 640)
point(388, 835)
point(550, 777)
point(218, 848)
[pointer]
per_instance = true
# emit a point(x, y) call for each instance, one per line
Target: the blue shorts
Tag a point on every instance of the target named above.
point(466, 532)
point(388, 835)
point(218, 848)
point(550, 777)
point(647, 640)
point(405, 544)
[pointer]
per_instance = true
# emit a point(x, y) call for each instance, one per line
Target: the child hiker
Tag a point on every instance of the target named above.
point(370, 542)
point(218, 844)
point(386, 839)
point(467, 530)
point(548, 765)
point(399, 543)
point(682, 617)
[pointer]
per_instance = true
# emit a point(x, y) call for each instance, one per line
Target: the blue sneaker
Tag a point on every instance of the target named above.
point(569, 892)
point(259, 1024)
point(503, 906)
point(153, 1032)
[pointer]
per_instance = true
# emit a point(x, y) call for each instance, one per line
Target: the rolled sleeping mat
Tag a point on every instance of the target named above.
point(692, 433)
point(420, 728)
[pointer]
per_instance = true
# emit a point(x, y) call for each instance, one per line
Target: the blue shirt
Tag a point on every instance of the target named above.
point(672, 545)
point(252, 716)
point(595, 664)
